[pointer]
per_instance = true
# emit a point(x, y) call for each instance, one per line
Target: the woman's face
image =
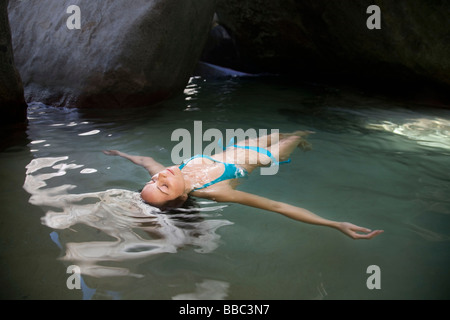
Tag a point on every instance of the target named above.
point(164, 187)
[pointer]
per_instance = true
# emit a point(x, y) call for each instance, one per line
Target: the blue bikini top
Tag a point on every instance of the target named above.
point(232, 171)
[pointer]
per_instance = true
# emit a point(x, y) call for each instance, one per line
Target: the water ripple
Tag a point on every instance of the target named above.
point(133, 229)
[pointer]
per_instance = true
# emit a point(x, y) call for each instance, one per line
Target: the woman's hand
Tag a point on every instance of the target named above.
point(353, 231)
point(111, 152)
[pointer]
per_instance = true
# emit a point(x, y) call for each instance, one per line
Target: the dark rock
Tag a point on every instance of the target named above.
point(12, 103)
point(322, 38)
point(127, 53)
point(220, 48)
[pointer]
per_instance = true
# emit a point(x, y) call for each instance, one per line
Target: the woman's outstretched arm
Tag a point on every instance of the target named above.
point(152, 166)
point(296, 213)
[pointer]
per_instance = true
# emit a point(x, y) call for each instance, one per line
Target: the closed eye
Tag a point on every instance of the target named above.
point(164, 188)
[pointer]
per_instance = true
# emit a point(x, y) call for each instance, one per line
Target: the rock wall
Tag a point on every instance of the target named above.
point(12, 103)
point(125, 54)
point(330, 38)
point(140, 52)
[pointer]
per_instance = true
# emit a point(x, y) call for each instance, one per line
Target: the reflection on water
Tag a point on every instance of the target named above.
point(374, 162)
point(206, 290)
point(136, 230)
point(432, 132)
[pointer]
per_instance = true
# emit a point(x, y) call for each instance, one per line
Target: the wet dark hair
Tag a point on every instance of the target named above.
point(190, 205)
point(184, 215)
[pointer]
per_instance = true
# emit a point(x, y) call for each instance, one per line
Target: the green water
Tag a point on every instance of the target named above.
point(378, 162)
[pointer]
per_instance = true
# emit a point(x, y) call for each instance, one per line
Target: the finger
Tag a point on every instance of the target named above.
point(360, 229)
point(369, 235)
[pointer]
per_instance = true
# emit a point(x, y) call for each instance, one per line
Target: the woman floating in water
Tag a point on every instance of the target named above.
point(215, 178)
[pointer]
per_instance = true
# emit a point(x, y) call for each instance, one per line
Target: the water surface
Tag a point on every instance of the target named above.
point(378, 162)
